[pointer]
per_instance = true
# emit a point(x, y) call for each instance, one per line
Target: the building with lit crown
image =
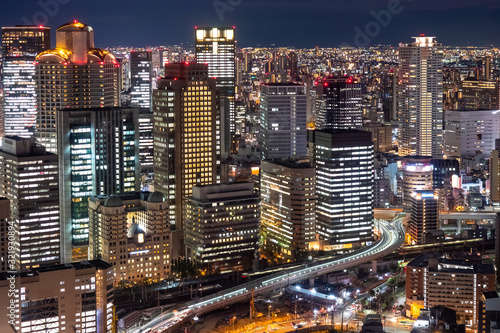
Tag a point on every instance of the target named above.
point(75, 297)
point(74, 75)
point(283, 113)
point(29, 178)
point(99, 154)
point(424, 215)
point(132, 233)
point(288, 207)
point(222, 227)
point(216, 47)
point(186, 132)
point(420, 101)
point(417, 175)
point(344, 186)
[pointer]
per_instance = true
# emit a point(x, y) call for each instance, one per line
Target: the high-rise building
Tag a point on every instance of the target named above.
point(19, 107)
point(457, 284)
point(76, 297)
point(283, 112)
point(424, 215)
point(420, 100)
point(417, 176)
point(495, 174)
point(24, 40)
point(288, 207)
point(6, 231)
point(339, 100)
point(99, 154)
point(131, 226)
point(442, 169)
point(186, 134)
point(344, 186)
point(29, 179)
point(141, 73)
point(217, 48)
point(74, 75)
point(480, 94)
point(470, 133)
point(381, 136)
point(222, 226)
point(146, 140)
point(20, 45)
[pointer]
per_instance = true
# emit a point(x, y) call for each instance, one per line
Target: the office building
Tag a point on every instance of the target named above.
point(20, 45)
point(186, 134)
point(74, 75)
point(382, 193)
point(470, 133)
point(5, 231)
point(417, 176)
point(479, 94)
point(99, 154)
point(381, 136)
point(288, 208)
point(217, 48)
point(222, 227)
point(495, 173)
point(420, 101)
point(283, 113)
point(455, 283)
point(344, 186)
point(141, 73)
point(442, 169)
point(29, 179)
point(19, 107)
point(146, 140)
point(24, 40)
point(339, 100)
point(424, 215)
point(76, 297)
point(131, 232)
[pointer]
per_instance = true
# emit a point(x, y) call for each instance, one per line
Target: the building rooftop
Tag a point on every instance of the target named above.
point(290, 164)
point(451, 265)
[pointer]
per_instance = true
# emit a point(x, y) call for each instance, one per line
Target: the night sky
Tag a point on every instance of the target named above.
point(296, 23)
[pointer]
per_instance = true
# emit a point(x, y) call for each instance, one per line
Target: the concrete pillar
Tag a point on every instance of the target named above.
point(374, 266)
point(311, 283)
point(459, 226)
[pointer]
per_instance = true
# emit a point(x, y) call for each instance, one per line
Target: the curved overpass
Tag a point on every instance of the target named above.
point(392, 238)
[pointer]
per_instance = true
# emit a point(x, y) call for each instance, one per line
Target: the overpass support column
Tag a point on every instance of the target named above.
point(311, 283)
point(459, 226)
point(374, 266)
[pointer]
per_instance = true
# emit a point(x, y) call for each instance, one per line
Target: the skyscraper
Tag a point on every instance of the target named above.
point(288, 207)
point(20, 45)
point(19, 96)
point(344, 186)
point(424, 214)
point(99, 154)
point(141, 73)
point(29, 179)
point(339, 100)
point(222, 226)
point(25, 40)
point(420, 101)
point(186, 134)
point(216, 47)
point(74, 75)
point(417, 176)
point(283, 112)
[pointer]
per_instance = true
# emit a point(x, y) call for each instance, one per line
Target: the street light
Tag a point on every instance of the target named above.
point(234, 320)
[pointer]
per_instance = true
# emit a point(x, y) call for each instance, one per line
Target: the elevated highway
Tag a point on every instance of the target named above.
point(392, 237)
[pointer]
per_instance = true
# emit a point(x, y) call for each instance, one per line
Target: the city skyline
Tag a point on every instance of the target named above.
point(331, 23)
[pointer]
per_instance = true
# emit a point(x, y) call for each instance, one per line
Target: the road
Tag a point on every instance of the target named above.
point(392, 237)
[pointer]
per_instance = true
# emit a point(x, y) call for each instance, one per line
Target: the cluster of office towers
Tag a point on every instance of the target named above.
point(72, 156)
